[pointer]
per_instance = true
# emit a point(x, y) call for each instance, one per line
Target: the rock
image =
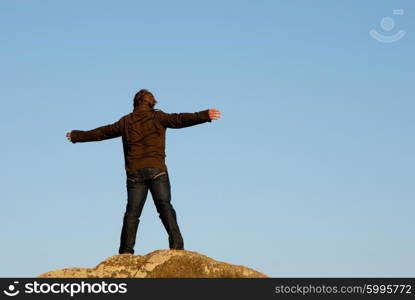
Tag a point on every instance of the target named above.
point(158, 264)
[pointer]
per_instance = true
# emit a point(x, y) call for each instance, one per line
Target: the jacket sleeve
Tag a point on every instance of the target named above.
point(98, 134)
point(181, 120)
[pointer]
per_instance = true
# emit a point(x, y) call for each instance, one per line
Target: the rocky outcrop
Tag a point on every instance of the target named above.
point(158, 264)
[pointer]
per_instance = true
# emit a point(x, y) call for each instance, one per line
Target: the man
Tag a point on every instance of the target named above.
point(143, 136)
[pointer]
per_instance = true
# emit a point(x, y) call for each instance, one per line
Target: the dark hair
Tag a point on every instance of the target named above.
point(144, 95)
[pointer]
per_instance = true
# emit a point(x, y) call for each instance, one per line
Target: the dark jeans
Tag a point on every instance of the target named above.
point(138, 184)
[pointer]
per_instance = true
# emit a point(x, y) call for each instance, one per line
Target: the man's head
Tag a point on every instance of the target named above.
point(144, 97)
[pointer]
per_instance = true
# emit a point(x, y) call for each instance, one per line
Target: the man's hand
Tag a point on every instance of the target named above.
point(214, 114)
point(69, 136)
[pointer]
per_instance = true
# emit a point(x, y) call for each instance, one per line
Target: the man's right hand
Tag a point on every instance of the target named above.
point(214, 114)
point(69, 136)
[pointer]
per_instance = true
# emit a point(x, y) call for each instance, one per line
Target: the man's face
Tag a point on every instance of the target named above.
point(150, 100)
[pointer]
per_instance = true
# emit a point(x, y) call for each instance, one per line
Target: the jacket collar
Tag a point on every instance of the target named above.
point(142, 107)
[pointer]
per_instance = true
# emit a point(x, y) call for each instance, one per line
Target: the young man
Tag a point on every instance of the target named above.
point(143, 134)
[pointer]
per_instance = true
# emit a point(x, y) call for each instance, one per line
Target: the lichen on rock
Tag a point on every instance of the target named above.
point(158, 264)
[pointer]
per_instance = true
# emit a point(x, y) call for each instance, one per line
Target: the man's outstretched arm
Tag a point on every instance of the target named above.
point(181, 120)
point(98, 134)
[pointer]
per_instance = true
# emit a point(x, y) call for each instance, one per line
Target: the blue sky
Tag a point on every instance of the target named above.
point(309, 172)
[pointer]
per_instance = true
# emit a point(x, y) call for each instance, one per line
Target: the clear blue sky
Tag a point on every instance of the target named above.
point(309, 172)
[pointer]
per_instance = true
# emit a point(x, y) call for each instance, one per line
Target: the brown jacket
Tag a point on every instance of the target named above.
point(143, 133)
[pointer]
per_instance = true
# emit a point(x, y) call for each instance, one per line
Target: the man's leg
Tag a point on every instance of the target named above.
point(137, 193)
point(160, 191)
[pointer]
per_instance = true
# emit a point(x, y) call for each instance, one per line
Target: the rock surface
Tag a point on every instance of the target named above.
point(158, 264)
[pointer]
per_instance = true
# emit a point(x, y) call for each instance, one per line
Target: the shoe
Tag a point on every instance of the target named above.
point(176, 248)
